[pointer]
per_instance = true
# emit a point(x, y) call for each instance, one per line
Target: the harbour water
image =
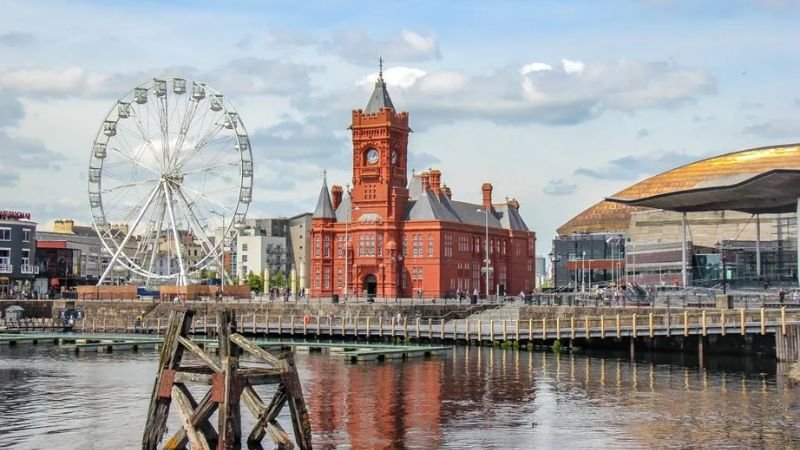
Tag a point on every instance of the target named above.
point(470, 398)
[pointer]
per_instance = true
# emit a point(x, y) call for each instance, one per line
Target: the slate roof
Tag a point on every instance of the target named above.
point(343, 211)
point(428, 206)
point(379, 98)
point(324, 209)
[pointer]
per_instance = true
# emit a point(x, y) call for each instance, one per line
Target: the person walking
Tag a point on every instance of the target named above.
point(475, 296)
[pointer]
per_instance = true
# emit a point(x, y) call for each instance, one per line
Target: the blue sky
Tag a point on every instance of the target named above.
point(556, 103)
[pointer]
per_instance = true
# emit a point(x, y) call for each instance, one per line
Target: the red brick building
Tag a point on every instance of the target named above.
point(407, 236)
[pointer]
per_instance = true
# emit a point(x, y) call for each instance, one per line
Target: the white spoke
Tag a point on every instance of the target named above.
point(187, 122)
point(135, 161)
point(213, 131)
point(193, 222)
point(212, 168)
point(209, 199)
point(129, 185)
point(129, 234)
point(176, 236)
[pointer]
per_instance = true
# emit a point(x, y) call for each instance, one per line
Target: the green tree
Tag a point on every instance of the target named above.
point(277, 280)
point(256, 282)
point(203, 274)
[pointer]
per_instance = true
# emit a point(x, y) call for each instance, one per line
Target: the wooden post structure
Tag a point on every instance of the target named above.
point(229, 383)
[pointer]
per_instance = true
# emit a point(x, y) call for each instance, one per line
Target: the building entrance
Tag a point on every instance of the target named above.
point(371, 285)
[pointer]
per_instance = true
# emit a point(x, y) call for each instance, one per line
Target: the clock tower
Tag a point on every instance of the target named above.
point(380, 157)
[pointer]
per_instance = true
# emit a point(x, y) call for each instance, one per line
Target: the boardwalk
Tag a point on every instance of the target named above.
point(617, 325)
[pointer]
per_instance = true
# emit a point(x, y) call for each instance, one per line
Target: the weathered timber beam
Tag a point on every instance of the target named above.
point(196, 439)
point(202, 412)
point(194, 377)
point(229, 423)
point(265, 415)
point(169, 360)
point(278, 435)
point(254, 349)
point(197, 351)
point(259, 378)
point(301, 423)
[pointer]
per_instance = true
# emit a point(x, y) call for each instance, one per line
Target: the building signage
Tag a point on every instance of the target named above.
point(14, 215)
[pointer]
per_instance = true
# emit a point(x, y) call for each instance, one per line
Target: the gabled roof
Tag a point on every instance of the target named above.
point(379, 98)
point(324, 209)
point(414, 186)
point(510, 217)
point(343, 211)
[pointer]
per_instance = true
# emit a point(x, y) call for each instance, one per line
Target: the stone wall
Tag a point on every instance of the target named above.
point(447, 312)
point(33, 308)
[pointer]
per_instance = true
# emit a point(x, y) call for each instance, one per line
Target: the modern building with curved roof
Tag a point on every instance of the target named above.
point(607, 216)
point(688, 221)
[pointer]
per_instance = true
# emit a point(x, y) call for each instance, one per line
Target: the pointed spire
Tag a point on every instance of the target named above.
point(380, 96)
point(324, 209)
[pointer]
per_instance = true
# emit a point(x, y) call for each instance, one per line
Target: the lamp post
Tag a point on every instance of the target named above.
point(221, 260)
point(347, 241)
point(555, 258)
point(486, 249)
point(583, 272)
point(724, 268)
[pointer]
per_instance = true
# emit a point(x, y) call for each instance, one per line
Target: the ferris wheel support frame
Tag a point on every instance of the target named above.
point(129, 234)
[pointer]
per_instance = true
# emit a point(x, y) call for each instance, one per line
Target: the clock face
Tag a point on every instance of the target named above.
point(394, 157)
point(372, 156)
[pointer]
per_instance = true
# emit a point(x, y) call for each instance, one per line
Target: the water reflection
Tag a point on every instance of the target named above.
point(470, 398)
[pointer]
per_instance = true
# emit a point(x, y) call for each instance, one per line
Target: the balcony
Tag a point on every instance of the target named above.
point(6, 268)
point(27, 269)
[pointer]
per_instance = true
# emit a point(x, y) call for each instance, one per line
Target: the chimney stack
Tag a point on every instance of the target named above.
point(436, 181)
point(514, 203)
point(336, 193)
point(447, 192)
point(487, 196)
point(425, 177)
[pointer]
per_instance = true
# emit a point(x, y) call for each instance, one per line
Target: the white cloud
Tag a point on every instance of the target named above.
point(422, 44)
point(535, 67)
point(48, 81)
point(359, 48)
point(240, 76)
point(572, 66)
point(782, 128)
point(402, 77)
point(442, 82)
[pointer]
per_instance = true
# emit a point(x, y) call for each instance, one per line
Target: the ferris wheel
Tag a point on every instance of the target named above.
point(170, 166)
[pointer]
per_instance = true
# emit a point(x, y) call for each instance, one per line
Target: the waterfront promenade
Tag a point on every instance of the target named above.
point(762, 330)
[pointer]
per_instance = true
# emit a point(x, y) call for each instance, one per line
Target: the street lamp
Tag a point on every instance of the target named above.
point(724, 269)
point(347, 240)
point(221, 260)
point(583, 272)
point(554, 260)
point(486, 249)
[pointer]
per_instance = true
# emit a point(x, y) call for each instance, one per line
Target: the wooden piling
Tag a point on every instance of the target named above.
point(229, 383)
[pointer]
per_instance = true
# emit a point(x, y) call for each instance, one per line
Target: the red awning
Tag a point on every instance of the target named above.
point(51, 244)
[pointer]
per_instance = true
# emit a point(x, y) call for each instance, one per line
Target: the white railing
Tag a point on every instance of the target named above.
point(6, 268)
point(28, 269)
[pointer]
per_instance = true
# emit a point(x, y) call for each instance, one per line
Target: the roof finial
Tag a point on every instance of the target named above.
point(380, 67)
point(324, 175)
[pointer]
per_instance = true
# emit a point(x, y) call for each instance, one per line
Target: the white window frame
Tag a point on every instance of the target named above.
point(9, 234)
point(8, 262)
point(26, 235)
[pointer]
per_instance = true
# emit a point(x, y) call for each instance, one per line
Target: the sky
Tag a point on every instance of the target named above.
point(557, 104)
